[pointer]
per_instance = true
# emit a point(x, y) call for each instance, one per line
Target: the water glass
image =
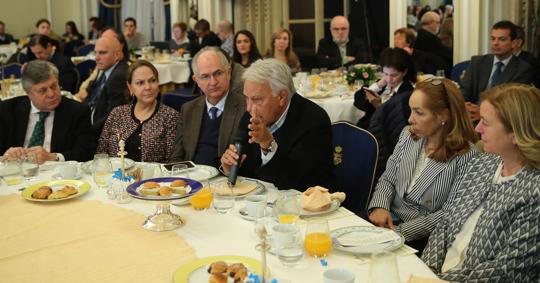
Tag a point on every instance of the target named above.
point(12, 172)
point(102, 171)
point(290, 254)
point(120, 193)
point(178, 169)
point(222, 203)
point(29, 165)
point(150, 170)
point(383, 268)
point(318, 242)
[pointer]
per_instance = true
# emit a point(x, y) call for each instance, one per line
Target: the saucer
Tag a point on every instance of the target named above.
point(244, 214)
point(57, 176)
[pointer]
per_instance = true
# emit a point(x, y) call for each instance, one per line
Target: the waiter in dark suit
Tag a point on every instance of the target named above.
point(287, 139)
point(499, 67)
point(42, 47)
point(206, 124)
point(203, 37)
point(44, 123)
point(109, 88)
point(341, 50)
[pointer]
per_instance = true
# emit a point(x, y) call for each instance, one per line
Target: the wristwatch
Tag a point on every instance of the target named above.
point(271, 148)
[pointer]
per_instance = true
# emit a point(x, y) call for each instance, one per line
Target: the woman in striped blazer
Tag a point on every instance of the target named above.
point(490, 232)
point(427, 162)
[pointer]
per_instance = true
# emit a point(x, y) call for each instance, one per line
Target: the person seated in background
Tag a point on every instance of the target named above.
point(426, 63)
point(145, 123)
point(428, 41)
point(43, 27)
point(226, 34)
point(72, 39)
point(490, 230)
point(245, 48)
point(206, 124)
point(108, 90)
point(5, 38)
point(387, 106)
point(42, 48)
point(429, 159)
point(499, 67)
point(44, 123)
point(179, 37)
point(526, 56)
point(204, 37)
point(281, 49)
point(286, 139)
point(134, 39)
point(94, 28)
point(340, 49)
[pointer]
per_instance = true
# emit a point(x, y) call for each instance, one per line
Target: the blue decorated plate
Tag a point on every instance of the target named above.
point(191, 188)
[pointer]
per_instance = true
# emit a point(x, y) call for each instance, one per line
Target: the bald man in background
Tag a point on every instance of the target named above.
point(428, 41)
point(108, 89)
point(225, 32)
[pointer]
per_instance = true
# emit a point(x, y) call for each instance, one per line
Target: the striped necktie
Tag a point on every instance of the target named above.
point(38, 134)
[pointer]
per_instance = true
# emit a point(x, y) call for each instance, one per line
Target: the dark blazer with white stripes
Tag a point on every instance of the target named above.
point(420, 209)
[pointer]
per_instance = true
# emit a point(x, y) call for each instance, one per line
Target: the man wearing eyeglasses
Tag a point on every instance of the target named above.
point(341, 50)
point(207, 124)
point(428, 41)
point(43, 122)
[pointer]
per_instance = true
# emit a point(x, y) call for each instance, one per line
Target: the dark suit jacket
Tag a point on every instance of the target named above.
point(112, 95)
point(8, 38)
point(432, 44)
point(328, 55)
point(304, 155)
point(72, 134)
point(191, 116)
point(211, 39)
point(477, 75)
point(535, 65)
point(66, 72)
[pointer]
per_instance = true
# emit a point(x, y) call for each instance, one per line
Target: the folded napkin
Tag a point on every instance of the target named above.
point(319, 199)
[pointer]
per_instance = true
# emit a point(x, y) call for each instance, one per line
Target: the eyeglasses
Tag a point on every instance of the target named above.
point(340, 29)
point(216, 75)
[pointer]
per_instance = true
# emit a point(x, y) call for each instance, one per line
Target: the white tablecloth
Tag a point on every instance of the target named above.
point(340, 108)
point(211, 234)
point(175, 72)
point(6, 51)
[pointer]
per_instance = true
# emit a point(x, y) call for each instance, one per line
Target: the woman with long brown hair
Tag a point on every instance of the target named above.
point(281, 49)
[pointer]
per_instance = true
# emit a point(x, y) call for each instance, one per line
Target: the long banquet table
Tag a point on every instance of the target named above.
point(206, 232)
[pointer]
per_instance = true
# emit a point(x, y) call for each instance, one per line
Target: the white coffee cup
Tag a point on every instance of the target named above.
point(68, 169)
point(338, 275)
point(256, 205)
point(284, 235)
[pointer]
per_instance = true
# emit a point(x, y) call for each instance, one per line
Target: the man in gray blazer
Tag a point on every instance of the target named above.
point(499, 67)
point(207, 124)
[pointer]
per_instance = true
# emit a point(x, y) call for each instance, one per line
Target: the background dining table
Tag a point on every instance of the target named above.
point(135, 254)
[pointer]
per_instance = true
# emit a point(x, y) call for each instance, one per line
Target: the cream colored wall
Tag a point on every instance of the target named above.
point(21, 16)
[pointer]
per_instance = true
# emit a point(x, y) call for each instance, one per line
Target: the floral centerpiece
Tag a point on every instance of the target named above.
point(366, 73)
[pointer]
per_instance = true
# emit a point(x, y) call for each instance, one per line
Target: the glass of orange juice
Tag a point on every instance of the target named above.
point(288, 207)
point(318, 242)
point(202, 199)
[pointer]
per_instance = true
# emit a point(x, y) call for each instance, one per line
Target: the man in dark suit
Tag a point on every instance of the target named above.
point(44, 123)
point(109, 88)
point(424, 62)
point(428, 41)
point(206, 125)
point(204, 37)
point(5, 38)
point(287, 139)
point(499, 67)
point(341, 50)
point(42, 47)
point(526, 56)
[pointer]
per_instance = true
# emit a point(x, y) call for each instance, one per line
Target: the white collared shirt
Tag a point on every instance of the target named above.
point(265, 158)
point(220, 105)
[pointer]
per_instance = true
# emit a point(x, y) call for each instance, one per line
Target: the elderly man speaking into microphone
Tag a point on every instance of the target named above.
point(286, 139)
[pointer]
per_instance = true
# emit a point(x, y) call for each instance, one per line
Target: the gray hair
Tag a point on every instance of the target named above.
point(214, 49)
point(35, 72)
point(274, 72)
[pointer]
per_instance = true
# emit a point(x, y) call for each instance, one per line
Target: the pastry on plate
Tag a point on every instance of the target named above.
point(58, 195)
point(42, 193)
point(165, 191)
point(178, 183)
point(149, 192)
point(217, 267)
point(69, 190)
point(217, 278)
point(180, 191)
point(150, 185)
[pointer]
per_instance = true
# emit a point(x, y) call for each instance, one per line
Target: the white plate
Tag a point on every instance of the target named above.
point(199, 173)
point(244, 214)
point(115, 162)
point(58, 176)
point(365, 239)
point(333, 207)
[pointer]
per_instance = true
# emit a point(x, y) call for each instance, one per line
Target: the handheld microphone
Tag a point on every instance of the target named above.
point(233, 174)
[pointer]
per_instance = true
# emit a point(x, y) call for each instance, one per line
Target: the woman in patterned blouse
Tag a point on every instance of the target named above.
point(146, 125)
point(490, 232)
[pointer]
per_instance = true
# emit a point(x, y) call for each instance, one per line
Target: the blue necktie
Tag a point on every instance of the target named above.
point(97, 91)
point(38, 133)
point(497, 74)
point(213, 113)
